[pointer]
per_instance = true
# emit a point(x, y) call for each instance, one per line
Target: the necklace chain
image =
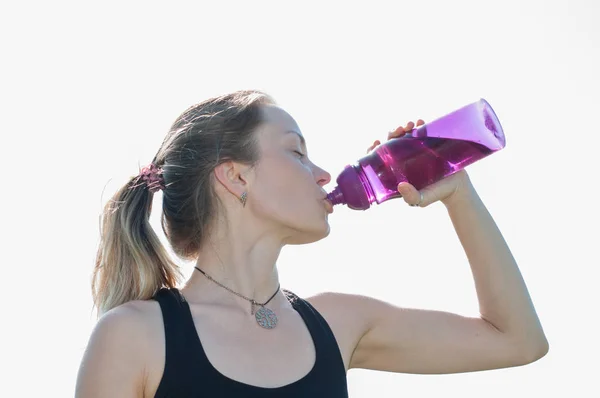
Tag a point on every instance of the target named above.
point(254, 302)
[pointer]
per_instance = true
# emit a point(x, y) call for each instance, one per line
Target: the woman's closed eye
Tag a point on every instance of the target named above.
point(300, 154)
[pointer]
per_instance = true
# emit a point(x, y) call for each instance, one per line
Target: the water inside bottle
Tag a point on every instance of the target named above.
point(418, 160)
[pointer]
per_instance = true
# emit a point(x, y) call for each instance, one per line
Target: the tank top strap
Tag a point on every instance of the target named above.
point(179, 361)
point(330, 356)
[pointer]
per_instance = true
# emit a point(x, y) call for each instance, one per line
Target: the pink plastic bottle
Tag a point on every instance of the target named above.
point(423, 156)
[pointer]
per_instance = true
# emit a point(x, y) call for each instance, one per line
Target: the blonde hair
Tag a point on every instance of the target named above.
point(131, 262)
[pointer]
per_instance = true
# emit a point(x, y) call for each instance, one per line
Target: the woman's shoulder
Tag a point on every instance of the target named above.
point(337, 310)
point(136, 314)
point(135, 325)
point(139, 322)
point(123, 343)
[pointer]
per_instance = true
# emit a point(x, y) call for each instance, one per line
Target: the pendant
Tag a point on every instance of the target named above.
point(266, 318)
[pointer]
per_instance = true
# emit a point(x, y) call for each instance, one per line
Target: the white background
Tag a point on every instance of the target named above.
point(87, 93)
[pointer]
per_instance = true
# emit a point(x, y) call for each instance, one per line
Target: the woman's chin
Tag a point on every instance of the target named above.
point(315, 234)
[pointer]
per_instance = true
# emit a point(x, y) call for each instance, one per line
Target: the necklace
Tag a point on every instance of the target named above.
point(265, 317)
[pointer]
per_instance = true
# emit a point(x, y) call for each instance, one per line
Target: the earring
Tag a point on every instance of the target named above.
point(243, 198)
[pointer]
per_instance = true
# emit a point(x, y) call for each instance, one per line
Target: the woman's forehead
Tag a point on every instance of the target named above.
point(278, 117)
point(278, 122)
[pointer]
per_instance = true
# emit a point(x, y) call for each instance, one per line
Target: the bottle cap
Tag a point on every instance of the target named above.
point(350, 190)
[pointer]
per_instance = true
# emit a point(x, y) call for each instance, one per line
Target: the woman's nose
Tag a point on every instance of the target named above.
point(323, 177)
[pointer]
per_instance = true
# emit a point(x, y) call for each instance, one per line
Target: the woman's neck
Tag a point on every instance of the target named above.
point(246, 266)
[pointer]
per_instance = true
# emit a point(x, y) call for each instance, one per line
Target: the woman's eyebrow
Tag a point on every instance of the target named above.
point(302, 140)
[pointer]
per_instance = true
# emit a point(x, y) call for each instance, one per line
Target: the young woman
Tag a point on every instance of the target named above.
point(237, 186)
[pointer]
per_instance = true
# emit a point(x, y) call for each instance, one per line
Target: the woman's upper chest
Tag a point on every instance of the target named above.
point(237, 348)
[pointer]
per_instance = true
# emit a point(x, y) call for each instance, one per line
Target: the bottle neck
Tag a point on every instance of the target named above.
point(336, 197)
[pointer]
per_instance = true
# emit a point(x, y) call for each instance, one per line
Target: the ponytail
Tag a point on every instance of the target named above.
point(131, 262)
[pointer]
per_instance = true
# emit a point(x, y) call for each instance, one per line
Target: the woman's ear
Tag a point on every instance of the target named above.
point(231, 176)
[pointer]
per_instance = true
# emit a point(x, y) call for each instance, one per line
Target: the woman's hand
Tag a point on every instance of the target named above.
point(447, 190)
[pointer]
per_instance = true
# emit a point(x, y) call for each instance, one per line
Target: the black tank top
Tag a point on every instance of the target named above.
point(189, 373)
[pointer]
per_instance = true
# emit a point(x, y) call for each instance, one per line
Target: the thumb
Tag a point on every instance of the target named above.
point(411, 195)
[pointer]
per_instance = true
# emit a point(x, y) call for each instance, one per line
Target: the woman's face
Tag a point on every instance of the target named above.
point(287, 188)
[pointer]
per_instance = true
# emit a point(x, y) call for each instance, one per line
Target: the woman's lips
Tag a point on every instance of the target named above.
point(328, 206)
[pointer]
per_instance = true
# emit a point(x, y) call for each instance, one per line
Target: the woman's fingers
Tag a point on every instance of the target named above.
point(377, 142)
point(398, 132)
point(411, 195)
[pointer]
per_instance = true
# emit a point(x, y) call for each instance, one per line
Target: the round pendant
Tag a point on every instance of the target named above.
point(266, 318)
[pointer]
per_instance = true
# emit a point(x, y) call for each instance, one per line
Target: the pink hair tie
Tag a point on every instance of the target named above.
point(152, 176)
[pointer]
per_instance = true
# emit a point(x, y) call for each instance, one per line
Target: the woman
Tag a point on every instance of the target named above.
point(238, 186)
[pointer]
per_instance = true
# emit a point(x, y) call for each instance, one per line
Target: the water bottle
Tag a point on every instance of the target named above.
point(421, 157)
